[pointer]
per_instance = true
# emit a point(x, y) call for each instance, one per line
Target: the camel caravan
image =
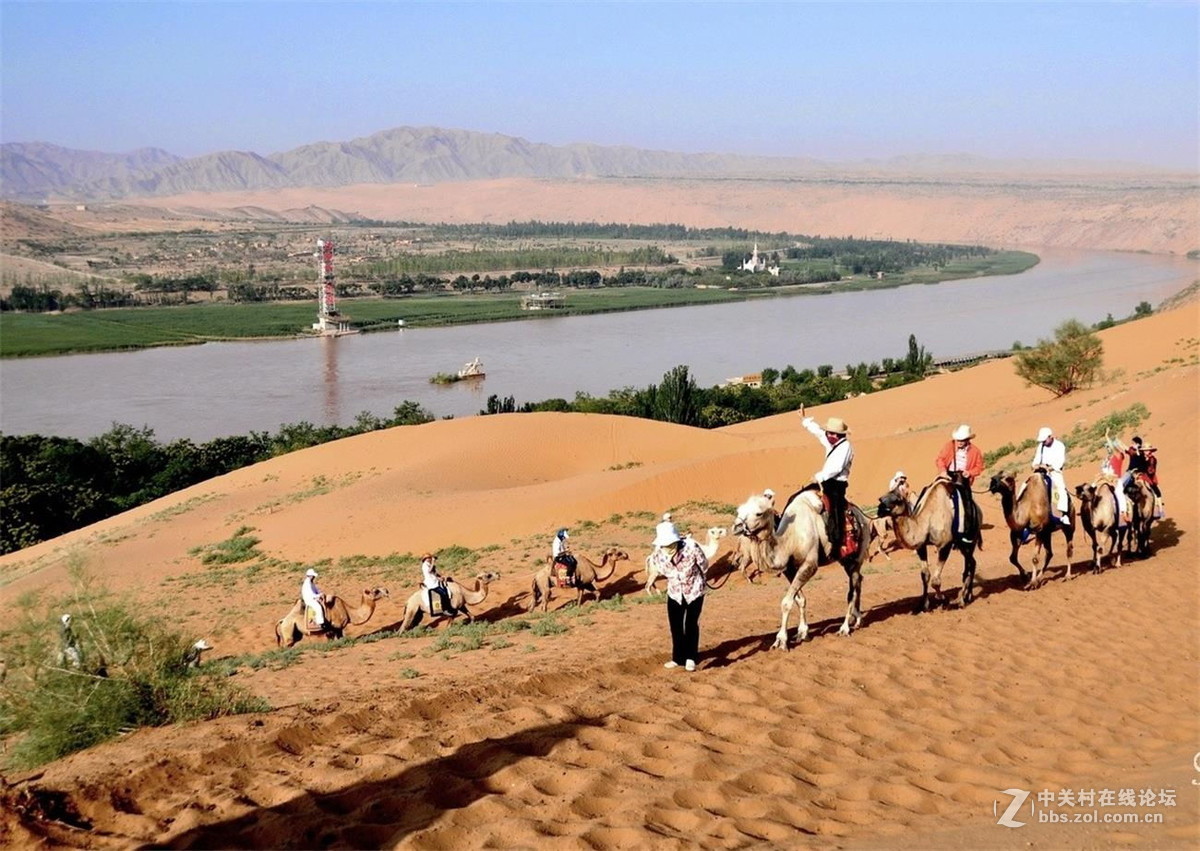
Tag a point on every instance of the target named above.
point(818, 526)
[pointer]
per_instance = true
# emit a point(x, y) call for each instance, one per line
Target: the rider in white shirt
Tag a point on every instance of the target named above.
point(1051, 453)
point(313, 599)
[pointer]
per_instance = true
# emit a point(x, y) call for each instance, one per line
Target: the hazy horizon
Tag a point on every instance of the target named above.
point(847, 82)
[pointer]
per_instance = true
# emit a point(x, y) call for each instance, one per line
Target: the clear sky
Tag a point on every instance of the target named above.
point(1101, 81)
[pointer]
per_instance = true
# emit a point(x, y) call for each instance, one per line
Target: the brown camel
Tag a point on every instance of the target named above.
point(710, 546)
point(931, 524)
point(796, 546)
point(294, 625)
point(1027, 513)
point(1100, 518)
point(460, 598)
point(1141, 506)
point(587, 574)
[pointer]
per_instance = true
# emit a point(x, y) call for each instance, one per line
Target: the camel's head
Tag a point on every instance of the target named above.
point(716, 533)
point(1001, 482)
point(754, 516)
point(488, 576)
point(375, 593)
point(892, 504)
point(612, 554)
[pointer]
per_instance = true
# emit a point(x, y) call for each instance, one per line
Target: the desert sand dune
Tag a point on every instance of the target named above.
point(1112, 213)
point(906, 733)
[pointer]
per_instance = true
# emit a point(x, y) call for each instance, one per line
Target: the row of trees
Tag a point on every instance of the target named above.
point(52, 485)
point(678, 399)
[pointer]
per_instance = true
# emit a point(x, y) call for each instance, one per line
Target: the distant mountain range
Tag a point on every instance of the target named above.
point(39, 171)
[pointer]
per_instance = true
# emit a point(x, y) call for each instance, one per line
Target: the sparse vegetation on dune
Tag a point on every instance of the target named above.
point(131, 671)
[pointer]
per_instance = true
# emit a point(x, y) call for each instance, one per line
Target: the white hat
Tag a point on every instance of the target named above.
point(963, 432)
point(202, 645)
point(66, 619)
point(1044, 433)
point(312, 573)
point(667, 517)
point(666, 534)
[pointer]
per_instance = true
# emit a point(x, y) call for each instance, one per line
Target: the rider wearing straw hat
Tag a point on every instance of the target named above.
point(961, 461)
point(834, 476)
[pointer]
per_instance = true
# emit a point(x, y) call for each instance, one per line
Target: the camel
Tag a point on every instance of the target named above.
point(1027, 513)
point(710, 546)
point(883, 533)
point(796, 545)
point(743, 552)
point(293, 626)
point(1141, 506)
point(931, 524)
point(460, 597)
point(587, 574)
point(1101, 520)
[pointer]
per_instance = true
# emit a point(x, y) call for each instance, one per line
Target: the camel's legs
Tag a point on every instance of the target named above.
point(785, 609)
point(966, 594)
point(943, 554)
point(853, 598)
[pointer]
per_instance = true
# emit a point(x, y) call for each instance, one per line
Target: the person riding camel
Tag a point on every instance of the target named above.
point(1142, 461)
point(560, 553)
point(434, 583)
point(834, 476)
point(1051, 455)
point(1112, 468)
point(961, 462)
point(314, 600)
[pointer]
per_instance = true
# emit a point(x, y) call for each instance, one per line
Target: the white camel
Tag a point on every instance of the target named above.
point(796, 545)
point(712, 542)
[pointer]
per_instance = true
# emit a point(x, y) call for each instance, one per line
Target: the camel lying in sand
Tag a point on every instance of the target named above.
point(1101, 520)
point(712, 542)
point(931, 524)
point(293, 626)
point(587, 574)
point(461, 597)
point(795, 546)
point(1027, 513)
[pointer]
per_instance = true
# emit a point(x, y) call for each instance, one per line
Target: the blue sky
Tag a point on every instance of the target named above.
point(845, 81)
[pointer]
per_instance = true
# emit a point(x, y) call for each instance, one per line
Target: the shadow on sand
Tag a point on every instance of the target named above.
point(381, 813)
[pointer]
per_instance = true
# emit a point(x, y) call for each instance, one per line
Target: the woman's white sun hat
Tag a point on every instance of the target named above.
point(1044, 434)
point(311, 572)
point(963, 432)
point(666, 534)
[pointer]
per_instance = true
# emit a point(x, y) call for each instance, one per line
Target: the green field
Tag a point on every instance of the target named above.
point(33, 334)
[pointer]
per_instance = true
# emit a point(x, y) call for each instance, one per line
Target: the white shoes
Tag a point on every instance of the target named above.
point(690, 666)
point(671, 664)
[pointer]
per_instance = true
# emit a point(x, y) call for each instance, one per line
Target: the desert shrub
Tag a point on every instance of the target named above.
point(238, 547)
point(132, 673)
point(1072, 360)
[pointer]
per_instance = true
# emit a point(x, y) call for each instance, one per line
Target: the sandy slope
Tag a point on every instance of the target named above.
point(905, 733)
point(1112, 212)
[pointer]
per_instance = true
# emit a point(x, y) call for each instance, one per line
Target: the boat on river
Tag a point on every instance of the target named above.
point(471, 369)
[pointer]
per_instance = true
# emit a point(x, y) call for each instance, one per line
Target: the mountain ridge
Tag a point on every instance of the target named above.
point(42, 171)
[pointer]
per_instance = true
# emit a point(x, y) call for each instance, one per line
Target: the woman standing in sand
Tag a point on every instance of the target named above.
point(684, 564)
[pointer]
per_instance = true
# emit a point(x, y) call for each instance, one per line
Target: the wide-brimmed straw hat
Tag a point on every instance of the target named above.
point(666, 534)
point(1044, 434)
point(963, 432)
point(837, 425)
point(428, 557)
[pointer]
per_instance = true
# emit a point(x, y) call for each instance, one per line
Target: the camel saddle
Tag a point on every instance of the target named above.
point(849, 527)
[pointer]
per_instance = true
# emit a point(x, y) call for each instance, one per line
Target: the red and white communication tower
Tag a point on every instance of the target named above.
point(326, 297)
point(330, 321)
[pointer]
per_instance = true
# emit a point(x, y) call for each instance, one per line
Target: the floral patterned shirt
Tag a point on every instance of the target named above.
point(685, 570)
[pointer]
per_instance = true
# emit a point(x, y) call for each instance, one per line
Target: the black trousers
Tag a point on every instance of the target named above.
point(836, 491)
point(685, 629)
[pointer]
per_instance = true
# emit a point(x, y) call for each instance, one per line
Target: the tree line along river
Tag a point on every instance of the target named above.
point(217, 389)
